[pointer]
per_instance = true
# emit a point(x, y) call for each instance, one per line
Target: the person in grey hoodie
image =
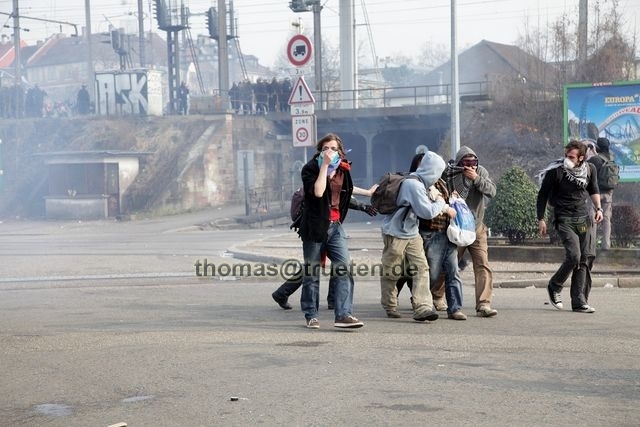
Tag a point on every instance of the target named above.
point(403, 243)
point(471, 181)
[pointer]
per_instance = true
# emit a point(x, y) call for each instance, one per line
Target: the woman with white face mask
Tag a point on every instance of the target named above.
point(567, 188)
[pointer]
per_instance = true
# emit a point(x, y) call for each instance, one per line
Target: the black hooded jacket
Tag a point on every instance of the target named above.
point(315, 217)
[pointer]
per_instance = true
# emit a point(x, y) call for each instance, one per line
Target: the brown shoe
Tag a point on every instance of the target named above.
point(393, 314)
point(458, 315)
point(348, 321)
point(440, 304)
point(486, 311)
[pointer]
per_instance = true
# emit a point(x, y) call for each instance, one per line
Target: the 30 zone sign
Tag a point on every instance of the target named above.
point(303, 128)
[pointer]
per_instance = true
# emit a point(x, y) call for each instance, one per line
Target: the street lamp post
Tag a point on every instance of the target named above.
point(317, 39)
point(90, 75)
point(455, 104)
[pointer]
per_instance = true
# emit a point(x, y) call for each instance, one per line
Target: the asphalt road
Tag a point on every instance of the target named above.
point(91, 334)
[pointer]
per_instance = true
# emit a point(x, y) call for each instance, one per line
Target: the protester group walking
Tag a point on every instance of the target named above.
point(418, 251)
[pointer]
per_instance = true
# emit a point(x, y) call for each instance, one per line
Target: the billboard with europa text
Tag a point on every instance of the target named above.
point(610, 110)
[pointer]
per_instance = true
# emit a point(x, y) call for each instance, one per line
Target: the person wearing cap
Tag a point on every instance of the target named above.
point(472, 183)
point(606, 195)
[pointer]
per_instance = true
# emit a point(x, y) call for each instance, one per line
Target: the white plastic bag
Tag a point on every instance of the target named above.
point(462, 228)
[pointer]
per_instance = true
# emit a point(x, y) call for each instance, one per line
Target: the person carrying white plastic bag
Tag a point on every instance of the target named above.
point(465, 176)
point(462, 228)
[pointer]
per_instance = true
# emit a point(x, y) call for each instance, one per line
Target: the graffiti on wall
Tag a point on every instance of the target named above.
point(127, 93)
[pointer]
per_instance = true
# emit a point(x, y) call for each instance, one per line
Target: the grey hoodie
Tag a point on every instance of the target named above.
point(479, 188)
point(413, 199)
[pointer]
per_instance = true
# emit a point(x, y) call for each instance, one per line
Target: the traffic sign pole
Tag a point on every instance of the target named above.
point(304, 132)
point(301, 100)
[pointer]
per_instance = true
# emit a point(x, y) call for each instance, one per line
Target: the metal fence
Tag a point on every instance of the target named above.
point(265, 200)
point(397, 96)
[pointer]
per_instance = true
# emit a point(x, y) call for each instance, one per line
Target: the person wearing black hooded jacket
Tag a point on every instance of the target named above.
point(284, 291)
point(328, 187)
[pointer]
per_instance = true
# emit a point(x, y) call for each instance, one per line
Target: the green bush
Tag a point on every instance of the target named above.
point(512, 212)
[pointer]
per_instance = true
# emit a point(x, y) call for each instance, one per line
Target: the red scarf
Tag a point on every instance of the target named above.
point(336, 182)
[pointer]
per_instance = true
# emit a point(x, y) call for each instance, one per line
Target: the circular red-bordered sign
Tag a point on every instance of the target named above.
point(299, 50)
point(301, 135)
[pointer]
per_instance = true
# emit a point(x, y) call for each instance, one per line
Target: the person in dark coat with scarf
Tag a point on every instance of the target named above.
point(568, 188)
point(328, 187)
point(284, 291)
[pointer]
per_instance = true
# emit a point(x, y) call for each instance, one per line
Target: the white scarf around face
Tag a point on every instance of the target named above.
point(578, 175)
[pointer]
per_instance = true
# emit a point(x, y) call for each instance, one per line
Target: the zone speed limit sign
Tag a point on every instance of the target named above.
point(303, 128)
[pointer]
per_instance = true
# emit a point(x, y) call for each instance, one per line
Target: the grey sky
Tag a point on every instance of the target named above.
point(264, 26)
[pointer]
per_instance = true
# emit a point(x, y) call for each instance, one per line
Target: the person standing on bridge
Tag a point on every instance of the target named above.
point(183, 99)
point(83, 101)
point(567, 188)
point(328, 187)
point(471, 182)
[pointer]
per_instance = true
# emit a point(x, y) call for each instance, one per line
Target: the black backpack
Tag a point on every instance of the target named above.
point(297, 207)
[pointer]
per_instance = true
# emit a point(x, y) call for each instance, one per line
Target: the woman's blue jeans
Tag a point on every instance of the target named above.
point(337, 251)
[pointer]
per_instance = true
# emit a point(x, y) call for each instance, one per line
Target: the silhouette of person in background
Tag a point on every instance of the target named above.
point(183, 99)
point(83, 100)
point(606, 193)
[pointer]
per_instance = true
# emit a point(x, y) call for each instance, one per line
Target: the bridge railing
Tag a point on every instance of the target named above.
point(396, 96)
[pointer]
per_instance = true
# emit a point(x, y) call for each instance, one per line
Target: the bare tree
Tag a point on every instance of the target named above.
point(432, 55)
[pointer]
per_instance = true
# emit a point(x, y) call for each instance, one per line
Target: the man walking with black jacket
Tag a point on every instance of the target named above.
point(566, 188)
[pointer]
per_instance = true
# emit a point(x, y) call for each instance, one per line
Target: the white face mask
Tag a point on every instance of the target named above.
point(568, 163)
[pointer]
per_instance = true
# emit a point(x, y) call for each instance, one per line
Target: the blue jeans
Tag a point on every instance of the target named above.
point(580, 251)
point(442, 256)
point(337, 251)
point(294, 283)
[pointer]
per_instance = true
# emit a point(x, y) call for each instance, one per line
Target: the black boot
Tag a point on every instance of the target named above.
point(282, 301)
